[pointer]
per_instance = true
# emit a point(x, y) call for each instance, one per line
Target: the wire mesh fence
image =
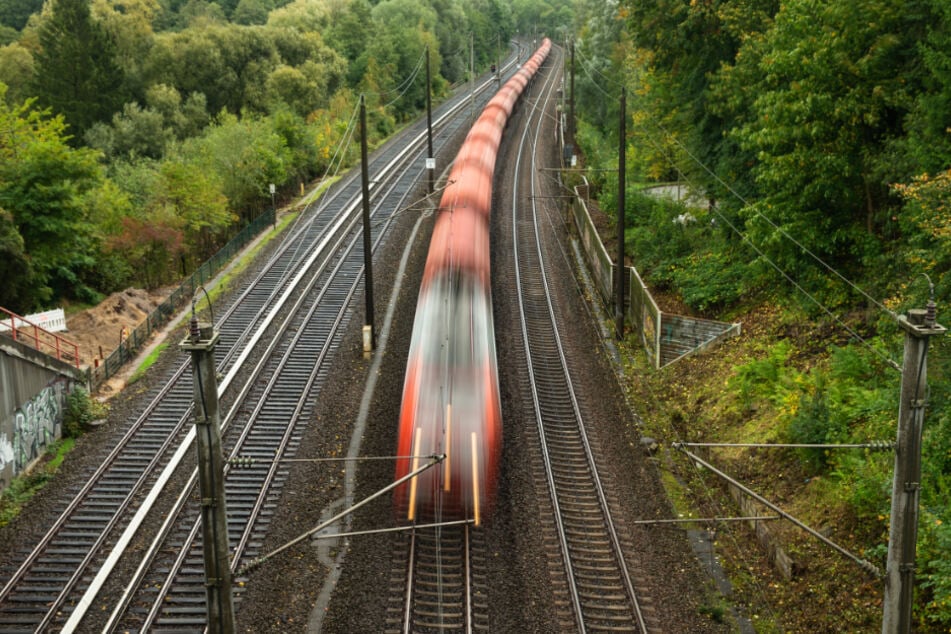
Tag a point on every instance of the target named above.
point(178, 298)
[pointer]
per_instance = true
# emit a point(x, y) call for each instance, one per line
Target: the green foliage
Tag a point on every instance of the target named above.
point(811, 425)
point(76, 73)
point(242, 155)
point(764, 380)
point(45, 185)
point(24, 487)
point(934, 544)
point(193, 117)
point(711, 280)
point(81, 410)
point(19, 493)
point(15, 13)
point(16, 270)
point(16, 71)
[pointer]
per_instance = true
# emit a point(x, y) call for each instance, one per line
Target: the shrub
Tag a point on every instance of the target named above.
point(81, 411)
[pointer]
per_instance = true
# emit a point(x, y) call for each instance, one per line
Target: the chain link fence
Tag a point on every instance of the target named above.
point(178, 298)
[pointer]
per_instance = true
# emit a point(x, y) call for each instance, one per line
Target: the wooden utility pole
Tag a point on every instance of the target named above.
point(369, 336)
point(201, 342)
point(621, 169)
point(919, 327)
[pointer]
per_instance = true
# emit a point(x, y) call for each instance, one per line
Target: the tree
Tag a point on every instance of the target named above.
point(129, 24)
point(76, 74)
point(195, 197)
point(252, 11)
point(829, 87)
point(43, 183)
point(928, 145)
point(136, 131)
point(16, 272)
point(16, 71)
point(244, 156)
point(15, 13)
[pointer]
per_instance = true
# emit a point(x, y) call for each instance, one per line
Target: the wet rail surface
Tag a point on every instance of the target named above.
point(288, 317)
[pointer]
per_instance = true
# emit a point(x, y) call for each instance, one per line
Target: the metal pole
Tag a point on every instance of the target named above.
point(622, 168)
point(430, 161)
point(369, 336)
point(571, 102)
point(471, 76)
point(201, 342)
point(919, 326)
point(273, 189)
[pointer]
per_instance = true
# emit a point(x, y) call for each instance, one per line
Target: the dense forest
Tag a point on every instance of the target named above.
point(820, 135)
point(140, 134)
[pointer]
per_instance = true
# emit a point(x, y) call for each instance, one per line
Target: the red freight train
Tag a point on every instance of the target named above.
point(451, 393)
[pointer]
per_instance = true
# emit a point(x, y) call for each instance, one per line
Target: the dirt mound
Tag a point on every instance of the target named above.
point(99, 329)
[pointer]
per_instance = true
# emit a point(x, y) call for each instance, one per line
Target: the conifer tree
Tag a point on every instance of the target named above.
point(76, 73)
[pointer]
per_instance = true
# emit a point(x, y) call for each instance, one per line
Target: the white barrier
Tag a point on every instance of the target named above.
point(50, 321)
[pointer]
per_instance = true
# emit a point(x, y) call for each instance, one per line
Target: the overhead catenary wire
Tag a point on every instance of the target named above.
point(785, 233)
point(855, 335)
point(585, 63)
point(407, 83)
point(866, 565)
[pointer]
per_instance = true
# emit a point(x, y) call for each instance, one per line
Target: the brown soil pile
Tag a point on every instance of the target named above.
point(99, 329)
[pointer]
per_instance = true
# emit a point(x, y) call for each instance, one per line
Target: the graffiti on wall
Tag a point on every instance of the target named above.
point(36, 425)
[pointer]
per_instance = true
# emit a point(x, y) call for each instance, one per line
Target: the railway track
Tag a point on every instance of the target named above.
point(289, 317)
point(442, 572)
point(600, 593)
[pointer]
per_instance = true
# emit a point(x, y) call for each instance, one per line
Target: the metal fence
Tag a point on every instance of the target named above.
point(32, 334)
point(665, 337)
point(642, 311)
point(178, 298)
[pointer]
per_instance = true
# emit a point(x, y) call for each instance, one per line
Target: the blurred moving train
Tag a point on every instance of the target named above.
point(451, 392)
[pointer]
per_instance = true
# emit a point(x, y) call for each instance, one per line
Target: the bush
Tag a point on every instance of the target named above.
point(81, 411)
point(811, 425)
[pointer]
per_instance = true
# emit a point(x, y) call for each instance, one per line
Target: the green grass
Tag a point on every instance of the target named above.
point(147, 362)
point(223, 284)
point(24, 487)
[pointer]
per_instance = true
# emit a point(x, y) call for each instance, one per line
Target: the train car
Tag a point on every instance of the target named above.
point(451, 392)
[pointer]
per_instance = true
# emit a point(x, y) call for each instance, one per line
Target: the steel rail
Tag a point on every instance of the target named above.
point(251, 521)
point(275, 376)
point(158, 455)
point(601, 615)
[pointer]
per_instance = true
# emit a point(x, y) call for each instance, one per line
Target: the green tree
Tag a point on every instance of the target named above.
point(405, 29)
point(15, 13)
point(831, 86)
point(129, 24)
point(43, 183)
point(16, 71)
point(76, 73)
point(16, 271)
point(196, 199)
point(136, 131)
point(928, 145)
point(252, 11)
point(244, 156)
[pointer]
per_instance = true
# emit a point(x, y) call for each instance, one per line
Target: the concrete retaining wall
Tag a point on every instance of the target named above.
point(32, 402)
